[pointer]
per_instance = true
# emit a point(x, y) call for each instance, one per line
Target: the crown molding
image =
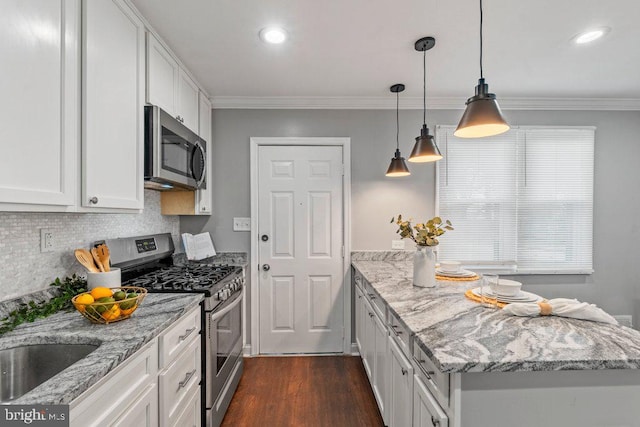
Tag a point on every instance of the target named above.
point(415, 103)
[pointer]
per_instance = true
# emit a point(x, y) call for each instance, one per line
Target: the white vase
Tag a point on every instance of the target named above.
point(424, 267)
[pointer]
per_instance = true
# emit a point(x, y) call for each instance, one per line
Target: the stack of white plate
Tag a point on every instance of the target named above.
point(522, 296)
point(459, 273)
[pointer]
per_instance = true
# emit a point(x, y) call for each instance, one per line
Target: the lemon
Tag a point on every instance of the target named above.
point(101, 292)
point(82, 301)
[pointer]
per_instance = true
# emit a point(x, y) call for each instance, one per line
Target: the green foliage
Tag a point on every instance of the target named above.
point(423, 234)
point(68, 288)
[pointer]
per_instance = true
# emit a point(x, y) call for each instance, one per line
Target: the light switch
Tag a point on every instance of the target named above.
point(241, 224)
point(397, 244)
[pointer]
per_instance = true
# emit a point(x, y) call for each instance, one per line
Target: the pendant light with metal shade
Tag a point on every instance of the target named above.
point(425, 149)
point(482, 117)
point(398, 166)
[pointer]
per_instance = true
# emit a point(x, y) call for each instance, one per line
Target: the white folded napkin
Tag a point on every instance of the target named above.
point(563, 307)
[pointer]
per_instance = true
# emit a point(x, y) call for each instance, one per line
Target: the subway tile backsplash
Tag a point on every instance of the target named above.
point(24, 269)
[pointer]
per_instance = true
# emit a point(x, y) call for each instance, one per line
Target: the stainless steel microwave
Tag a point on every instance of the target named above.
point(174, 156)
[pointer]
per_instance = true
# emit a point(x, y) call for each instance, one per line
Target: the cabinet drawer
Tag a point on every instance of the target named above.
point(436, 381)
point(116, 390)
point(176, 338)
point(357, 278)
point(376, 301)
point(191, 415)
point(400, 332)
point(178, 382)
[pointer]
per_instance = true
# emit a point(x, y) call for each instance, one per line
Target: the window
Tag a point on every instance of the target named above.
point(521, 202)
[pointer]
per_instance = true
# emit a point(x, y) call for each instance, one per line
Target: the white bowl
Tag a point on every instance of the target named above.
point(506, 288)
point(450, 266)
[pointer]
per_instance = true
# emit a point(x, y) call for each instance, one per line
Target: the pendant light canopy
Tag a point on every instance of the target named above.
point(398, 166)
point(425, 149)
point(482, 117)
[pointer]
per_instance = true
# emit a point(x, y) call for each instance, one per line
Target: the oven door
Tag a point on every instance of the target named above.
point(224, 345)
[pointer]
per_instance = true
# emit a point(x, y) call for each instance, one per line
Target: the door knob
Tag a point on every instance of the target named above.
point(264, 237)
point(93, 200)
point(266, 267)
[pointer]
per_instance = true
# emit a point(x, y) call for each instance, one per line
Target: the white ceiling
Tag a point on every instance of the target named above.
point(358, 48)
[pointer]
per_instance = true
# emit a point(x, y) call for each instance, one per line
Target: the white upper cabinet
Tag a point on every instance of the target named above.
point(204, 198)
point(188, 101)
point(169, 86)
point(113, 101)
point(40, 109)
point(162, 75)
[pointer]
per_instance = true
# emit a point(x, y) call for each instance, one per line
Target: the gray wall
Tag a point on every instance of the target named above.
point(375, 199)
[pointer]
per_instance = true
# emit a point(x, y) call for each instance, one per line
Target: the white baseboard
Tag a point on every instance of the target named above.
point(354, 349)
point(246, 351)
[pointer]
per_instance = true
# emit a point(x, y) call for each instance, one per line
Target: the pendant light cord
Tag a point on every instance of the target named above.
point(397, 121)
point(424, 87)
point(481, 70)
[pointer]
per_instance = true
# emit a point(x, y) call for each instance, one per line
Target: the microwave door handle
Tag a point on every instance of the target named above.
point(215, 316)
point(204, 170)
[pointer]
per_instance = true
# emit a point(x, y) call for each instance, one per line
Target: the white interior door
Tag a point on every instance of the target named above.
point(300, 211)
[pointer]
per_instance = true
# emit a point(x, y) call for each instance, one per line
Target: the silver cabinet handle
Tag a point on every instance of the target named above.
point(422, 362)
point(435, 422)
point(186, 334)
point(395, 329)
point(93, 200)
point(404, 371)
point(372, 296)
point(370, 314)
point(186, 379)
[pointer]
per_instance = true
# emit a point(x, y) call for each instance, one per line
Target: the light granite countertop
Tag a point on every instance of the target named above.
point(117, 342)
point(460, 335)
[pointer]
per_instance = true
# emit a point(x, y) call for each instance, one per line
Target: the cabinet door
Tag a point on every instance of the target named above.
point(382, 365)
point(162, 77)
point(142, 412)
point(359, 308)
point(204, 198)
point(426, 411)
point(40, 110)
point(401, 399)
point(191, 416)
point(369, 344)
point(188, 102)
point(113, 100)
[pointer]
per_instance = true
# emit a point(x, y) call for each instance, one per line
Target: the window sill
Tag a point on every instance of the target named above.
point(515, 272)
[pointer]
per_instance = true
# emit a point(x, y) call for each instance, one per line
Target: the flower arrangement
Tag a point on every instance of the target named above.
point(424, 234)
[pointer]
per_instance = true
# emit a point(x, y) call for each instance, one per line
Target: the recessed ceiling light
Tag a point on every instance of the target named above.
point(591, 35)
point(273, 35)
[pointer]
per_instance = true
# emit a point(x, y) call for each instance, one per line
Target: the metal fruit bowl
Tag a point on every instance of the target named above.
point(111, 311)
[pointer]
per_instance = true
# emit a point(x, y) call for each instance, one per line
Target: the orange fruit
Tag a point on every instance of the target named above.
point(82, 301)
point(101, 292)
point(127, 311)
point(112, 314)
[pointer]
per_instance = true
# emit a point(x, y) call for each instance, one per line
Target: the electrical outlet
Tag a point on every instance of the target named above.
point(46, 240)
point(241, 224)
point(397, 244)
point(624, 320)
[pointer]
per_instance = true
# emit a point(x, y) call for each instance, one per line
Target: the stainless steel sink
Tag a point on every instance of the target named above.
point(26, 367)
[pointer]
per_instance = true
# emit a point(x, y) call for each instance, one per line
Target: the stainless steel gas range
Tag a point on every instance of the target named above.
point(147, 261)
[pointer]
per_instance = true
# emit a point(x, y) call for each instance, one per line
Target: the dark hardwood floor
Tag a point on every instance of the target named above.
point(303, 391)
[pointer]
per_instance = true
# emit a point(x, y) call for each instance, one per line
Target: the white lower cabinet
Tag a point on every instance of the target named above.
point(381, 367)
point(142, 392)
point(369, 340)
point(125, 390)
point(426, 411)
point(359, 309)
point(401, 382)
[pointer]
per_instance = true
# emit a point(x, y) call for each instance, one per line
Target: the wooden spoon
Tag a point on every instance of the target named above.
point(104, 256)
point(96, 258)
point(84, 257)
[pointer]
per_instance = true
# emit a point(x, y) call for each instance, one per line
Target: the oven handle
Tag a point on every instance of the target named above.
point(218, 314)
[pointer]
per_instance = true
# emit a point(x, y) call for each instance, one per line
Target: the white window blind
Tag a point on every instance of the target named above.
point(522, 200)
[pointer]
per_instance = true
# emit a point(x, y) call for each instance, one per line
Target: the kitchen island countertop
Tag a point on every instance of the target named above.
point(460, 335)
point(117, 342)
